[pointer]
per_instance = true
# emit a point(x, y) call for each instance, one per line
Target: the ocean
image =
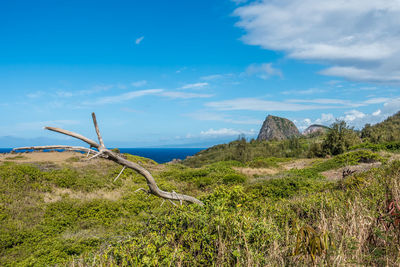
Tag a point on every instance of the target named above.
point(160, 155)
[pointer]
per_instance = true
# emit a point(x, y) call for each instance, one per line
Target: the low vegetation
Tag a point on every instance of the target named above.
point(75, 214)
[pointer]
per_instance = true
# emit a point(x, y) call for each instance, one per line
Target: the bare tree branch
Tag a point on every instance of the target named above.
point(103, 151)
point(98, 131)
point(116, 178)
point(75, 135)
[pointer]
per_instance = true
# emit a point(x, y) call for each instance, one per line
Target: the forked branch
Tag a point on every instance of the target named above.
point(108, 154)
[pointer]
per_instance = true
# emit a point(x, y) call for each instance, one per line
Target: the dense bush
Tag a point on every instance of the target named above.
point(339, 138)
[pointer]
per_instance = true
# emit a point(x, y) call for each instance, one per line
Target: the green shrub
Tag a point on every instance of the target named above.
point(234, 178)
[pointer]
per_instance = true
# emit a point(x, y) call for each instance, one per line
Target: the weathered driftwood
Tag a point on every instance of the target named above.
point(108, 154)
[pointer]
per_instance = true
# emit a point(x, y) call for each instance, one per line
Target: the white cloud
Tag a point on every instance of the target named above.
point(226, 132)
point(360, 38)
point(126, 96)
point(139, 93)
point(35, 95)
point(180, 70)
point(194, 85)
point(357, 118)
point(307, 121)
point(139, 40)
point(256, 104)
point(353, 115)
point(263, 71)
point(310, 91)
point(184, 95)
point(364, 75)
point(64, 94)
point(216, 76)
point(326, 119)
point(139, 83)
point(326, 101)
point(377, 113)
point(377, 100)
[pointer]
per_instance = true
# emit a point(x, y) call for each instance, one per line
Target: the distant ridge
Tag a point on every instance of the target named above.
point(315, 128)
point(277, 128)
point(385, 131)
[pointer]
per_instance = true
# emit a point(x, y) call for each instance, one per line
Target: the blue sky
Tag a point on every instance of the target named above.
point(194, 73)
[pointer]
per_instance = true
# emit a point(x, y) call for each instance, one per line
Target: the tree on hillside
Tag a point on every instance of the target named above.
point(339, 138)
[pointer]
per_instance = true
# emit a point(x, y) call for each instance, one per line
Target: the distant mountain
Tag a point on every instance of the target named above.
point(277, 128)
point(315, 128)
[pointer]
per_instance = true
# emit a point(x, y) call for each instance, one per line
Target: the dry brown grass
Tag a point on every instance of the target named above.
point(251, 172)
point(58, 193)
point(297, 164)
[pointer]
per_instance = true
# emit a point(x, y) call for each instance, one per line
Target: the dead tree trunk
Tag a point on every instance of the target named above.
point(108, 154)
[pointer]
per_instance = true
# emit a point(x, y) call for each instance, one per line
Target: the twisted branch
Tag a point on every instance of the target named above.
point(108, 154)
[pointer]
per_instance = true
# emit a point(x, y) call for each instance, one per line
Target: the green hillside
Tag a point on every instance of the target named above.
point(386, 131)
point(73, 214)
point(326, 200)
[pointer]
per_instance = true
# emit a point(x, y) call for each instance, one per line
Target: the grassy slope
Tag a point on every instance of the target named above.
point(72, 214)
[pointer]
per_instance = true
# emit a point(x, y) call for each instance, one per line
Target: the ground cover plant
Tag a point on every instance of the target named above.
point(286, 211)
point(75, 215)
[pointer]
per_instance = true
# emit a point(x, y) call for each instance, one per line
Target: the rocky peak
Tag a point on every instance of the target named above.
point(277, 128)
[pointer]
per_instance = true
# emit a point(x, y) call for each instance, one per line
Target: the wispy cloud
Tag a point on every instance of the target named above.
point(125, 96)
point(362, 74)
point(359, 38)
point(180, 70)
point(93, 90)
point(226, 132)
point(194, 85)
point(139, 83)
point(216, 76)
point(256, 104)
point(139, 40)
point(263, 71)
point(310, 91)
point(35, 94)
point(377, 100)
point(139, 93)
point(343, 102)
point(327, 101)
point(184, 95)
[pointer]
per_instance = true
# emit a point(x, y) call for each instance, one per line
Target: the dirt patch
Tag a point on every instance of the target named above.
point(338, 173)
point(58, 193)
point(53, 156)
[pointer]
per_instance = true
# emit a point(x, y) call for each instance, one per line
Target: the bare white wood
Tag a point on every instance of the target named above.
point(116, 178)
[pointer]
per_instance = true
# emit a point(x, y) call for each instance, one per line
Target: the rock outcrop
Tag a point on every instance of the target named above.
point(277, 128)
point(315, 128)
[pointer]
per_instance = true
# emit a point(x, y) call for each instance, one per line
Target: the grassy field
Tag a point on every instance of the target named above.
point(270, 211)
